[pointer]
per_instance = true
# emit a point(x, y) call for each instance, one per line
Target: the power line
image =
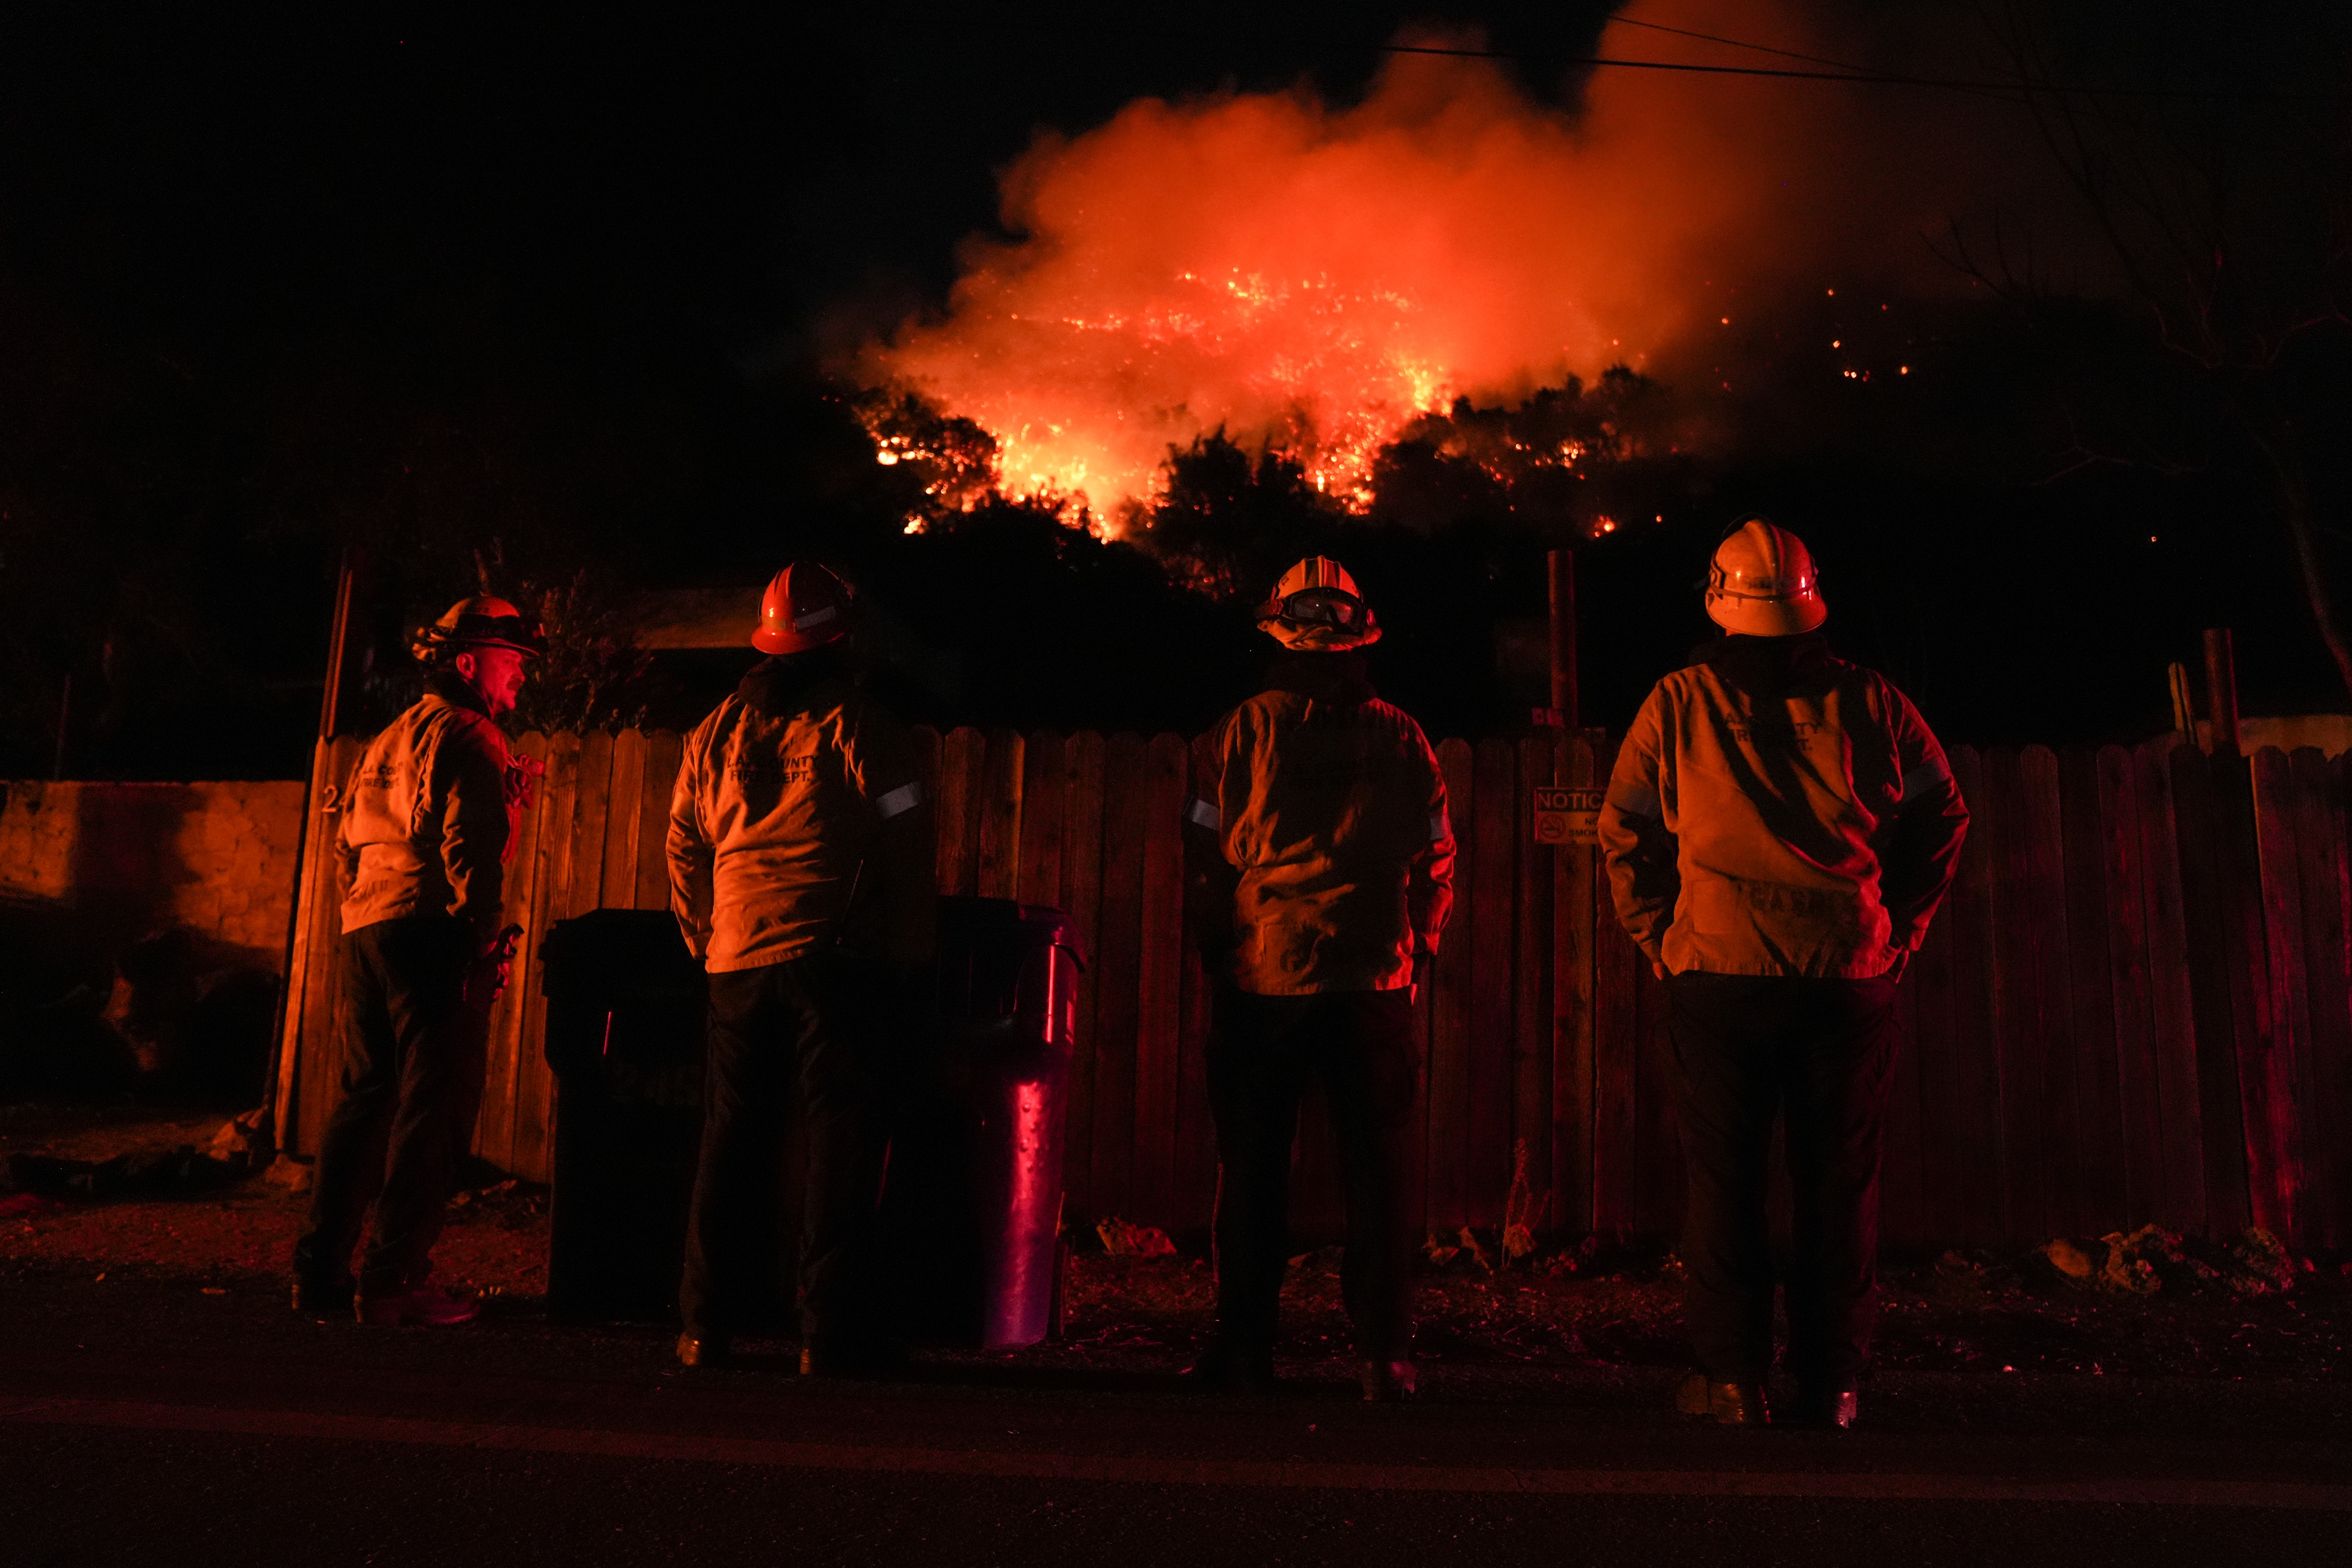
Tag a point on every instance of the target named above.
point(2011, 92)
point(1734, 43)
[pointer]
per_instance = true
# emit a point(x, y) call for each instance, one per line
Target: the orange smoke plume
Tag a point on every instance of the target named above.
point(1312, 278)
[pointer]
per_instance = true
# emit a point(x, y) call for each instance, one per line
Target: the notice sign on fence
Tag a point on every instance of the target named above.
point(1568, 816)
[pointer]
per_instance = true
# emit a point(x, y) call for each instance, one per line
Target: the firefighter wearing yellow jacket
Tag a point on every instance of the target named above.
point(800, 874)
point(1319, 871)
point(428, 821)
point(1779, 827)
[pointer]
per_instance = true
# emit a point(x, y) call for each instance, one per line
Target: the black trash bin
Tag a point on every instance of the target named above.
point(627, 1009)
point(973, 1196)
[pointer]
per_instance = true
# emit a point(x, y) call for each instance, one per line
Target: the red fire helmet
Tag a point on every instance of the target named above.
point(805, 606)
point(1762, 583)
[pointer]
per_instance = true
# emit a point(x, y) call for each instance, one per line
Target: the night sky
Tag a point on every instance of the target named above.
point(267, 288)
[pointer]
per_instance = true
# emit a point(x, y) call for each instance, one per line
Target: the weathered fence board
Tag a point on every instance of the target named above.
point(1082, 840)
point(1531, 1030)
point(1490, 840)
point(2137, 1004)
point(1119, 1011)
point(1576, 889)
point(2102, 1185)
point(2125, 928)
point(997, 873)
point(1449, 1021)
point(2218, 988)
point(1158, 975)
point(1976, 1061)
point(2172, 1007)
point(2285, 1098)
point(2328, 912)
point(1900, 1198)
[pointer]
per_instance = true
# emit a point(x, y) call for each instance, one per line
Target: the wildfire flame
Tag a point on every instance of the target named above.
point(1313, 279)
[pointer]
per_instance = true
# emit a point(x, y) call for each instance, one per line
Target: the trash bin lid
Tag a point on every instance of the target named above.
point(971, 922)
point(611, 953)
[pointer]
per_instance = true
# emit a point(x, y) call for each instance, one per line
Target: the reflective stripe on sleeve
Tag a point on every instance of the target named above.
point(1440, 830)
point(1206, 816)
point(903, 799)
point(1926, 776)
point(1635, 799)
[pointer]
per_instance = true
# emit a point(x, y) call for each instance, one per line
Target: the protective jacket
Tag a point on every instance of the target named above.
point(1777, 810)
point(429, 817)
point(1319, 853)
point(794, 825)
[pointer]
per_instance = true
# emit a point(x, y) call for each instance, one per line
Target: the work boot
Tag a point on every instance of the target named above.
point(324, 1299)
point(424, 1305)
point(1725, 1404)
point(1830, 1407)
point(1226, 1368)
point(1388, 1382)
point(826, 1355)
point(703, 1350)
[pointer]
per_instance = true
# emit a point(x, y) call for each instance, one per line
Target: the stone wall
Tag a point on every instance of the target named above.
point(215, 858)
point(145, 927)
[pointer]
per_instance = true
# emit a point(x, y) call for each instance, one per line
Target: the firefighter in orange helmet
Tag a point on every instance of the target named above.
point(799, 862)
point(1319, 872)
point(428, 822)
point(1779, 827)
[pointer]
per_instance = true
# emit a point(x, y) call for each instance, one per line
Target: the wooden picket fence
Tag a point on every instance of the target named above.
point(2137, 1006)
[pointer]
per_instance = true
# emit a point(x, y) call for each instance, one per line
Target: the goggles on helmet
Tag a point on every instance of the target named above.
point(1323, 607)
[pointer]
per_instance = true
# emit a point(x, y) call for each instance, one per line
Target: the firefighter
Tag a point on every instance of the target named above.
point(800, 861)
point(428, 821)
point(1319, 872)
point(1779, 827)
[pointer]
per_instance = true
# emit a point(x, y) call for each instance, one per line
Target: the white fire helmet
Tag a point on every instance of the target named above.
point(1761, 583)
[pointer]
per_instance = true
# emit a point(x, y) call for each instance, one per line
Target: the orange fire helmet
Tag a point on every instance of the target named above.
point(1762, 583)
point(481, 621)
point(805, 606)
point(1317, 608)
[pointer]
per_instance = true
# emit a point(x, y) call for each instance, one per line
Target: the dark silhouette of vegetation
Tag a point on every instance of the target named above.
point(2213, 165)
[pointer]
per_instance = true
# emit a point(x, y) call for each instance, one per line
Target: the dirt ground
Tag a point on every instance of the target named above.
point(2153, 1305)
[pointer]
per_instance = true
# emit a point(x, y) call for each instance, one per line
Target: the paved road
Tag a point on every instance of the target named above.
point(142, 1421)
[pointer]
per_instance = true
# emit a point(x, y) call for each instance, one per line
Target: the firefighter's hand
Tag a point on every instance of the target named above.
point(523, 773)
point(1658, 967)
point(487, 980)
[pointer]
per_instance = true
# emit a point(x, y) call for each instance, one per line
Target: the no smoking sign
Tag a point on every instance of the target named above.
point(1568, 816)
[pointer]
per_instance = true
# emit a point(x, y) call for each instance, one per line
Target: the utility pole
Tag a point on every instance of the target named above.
point(276, 1097)
point(338, 642)
point(2221, 691)
point(2184, 705)
point(1561, 567)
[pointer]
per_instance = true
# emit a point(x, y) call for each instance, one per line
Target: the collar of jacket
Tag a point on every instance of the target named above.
point(784, 683)
point(1339, 679)
point(454, 690)
point(1766, 667)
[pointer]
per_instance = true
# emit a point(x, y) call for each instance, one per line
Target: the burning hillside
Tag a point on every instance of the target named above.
point(1313, 279)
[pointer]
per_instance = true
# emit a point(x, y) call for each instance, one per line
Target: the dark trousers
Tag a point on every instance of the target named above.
point(1358, 1044)
point(1747, 1048)
point(812, 1025)
point(414, 1050)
